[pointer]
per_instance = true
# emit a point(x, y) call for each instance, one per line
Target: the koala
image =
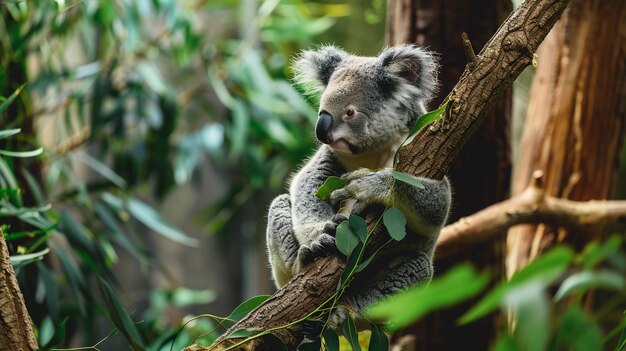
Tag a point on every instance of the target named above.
point(367, 107)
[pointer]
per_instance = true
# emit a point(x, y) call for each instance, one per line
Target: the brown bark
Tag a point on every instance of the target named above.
point(532, 205)
point(431, 151)
point(480, 175)
point(576, 117)
point(16, 329)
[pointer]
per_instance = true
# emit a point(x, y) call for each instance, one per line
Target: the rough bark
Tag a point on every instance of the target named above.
point(16, 329)
point(532, 205)
point(480, 175)
point(431, 151)
point(576, 118)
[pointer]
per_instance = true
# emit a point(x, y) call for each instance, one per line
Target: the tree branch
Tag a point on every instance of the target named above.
point(429, 155)
point(530, 206)
point(16, 329)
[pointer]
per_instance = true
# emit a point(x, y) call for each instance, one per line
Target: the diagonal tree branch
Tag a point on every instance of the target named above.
point(428, 155)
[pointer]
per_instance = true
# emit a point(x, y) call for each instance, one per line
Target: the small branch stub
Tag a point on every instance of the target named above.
point(469, 51)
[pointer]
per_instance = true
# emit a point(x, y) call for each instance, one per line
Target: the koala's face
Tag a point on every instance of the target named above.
point(368, 103)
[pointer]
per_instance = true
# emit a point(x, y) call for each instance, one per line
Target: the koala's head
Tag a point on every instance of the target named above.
point(368, 103)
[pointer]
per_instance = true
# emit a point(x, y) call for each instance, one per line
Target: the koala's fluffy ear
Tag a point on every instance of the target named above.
point(412, 70)
point(313, 68)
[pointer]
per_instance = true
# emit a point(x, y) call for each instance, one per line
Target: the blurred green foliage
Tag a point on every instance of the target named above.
point(547, 300)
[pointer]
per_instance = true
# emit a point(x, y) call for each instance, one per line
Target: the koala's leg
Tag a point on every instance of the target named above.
point(395, 276)
point(282, 245)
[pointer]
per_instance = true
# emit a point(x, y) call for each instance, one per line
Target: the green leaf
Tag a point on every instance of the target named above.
point(378, 340)
point(545, 269)
point(151, 218)
point(9, 132)
point(358, 226)
point(183, 297)
point(331, 339)
point(587, 280)
point(595, 253)
point(245, 307)
point(31, 153)
point(459, 284)
point(505, 343)
point(345, 239)
point(577, 332)
point(351, 264)
point(331, 184)
point(364, 263)
point(395, 222)
point(5, 104)
point(349, 332)
point(20, 260)
point(241, 333)
point(531, 308)
point(407, 178)
point(120, 317)
point(104, 170)
point(428, 118)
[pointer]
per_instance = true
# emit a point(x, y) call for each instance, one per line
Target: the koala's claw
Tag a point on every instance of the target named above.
point(321, 246)
point(340, 195)
point(330, 227)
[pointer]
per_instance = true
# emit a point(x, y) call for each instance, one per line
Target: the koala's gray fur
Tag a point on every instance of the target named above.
point(367, 107)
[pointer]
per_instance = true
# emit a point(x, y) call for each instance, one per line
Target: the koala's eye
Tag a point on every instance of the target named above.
point(350, 112)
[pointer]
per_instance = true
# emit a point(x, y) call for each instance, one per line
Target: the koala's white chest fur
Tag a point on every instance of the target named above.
point(381, 158)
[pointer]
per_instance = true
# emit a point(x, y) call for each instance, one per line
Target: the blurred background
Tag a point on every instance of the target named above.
point(153, 135)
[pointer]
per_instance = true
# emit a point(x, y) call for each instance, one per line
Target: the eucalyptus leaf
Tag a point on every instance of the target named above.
point(20, 260)
point(245, 307)
point(544, 269)
point(241, 333)
point(458, 284)
point(587, 280)
point(9, 132)
point(407, 178)
point(331, 184)
point(31, 153)
point(395, 222)
point(358, 226)
point(345, 239)
point(577, 332)
point(153, 220)
point(120, 317)
point(427, 118)
point(8, 101)
point(378, 340)
point(331, 339)
point(351, 264)
point(349, 332)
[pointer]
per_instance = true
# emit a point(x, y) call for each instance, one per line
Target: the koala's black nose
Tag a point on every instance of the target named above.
point(323, 127)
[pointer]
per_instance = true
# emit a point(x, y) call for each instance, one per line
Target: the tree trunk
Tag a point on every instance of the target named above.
point(480, 176)
point(575, 121)
point(16, 329)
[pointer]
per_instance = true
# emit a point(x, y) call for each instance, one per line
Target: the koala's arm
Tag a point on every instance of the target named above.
point(426, 210)
point(309, 213)
point(297, 221)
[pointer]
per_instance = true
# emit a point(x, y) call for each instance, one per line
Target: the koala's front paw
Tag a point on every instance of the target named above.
point(330, 227)
point(323, 245)
point(337, 316)
point(365, 186)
